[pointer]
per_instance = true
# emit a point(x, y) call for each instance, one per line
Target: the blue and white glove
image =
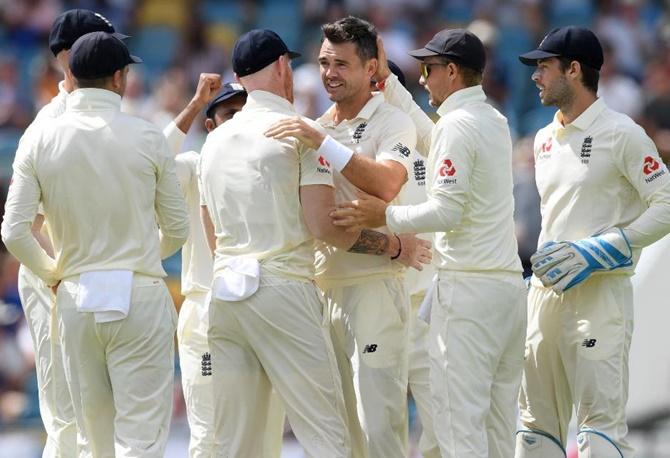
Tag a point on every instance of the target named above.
point(562, 265)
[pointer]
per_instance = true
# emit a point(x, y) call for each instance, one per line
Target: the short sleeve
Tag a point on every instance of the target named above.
point(397, 139)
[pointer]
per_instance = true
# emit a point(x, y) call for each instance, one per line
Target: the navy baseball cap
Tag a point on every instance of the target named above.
point(575, 43)
point(99, 54)
point(257, 49)
point(459, 45)
point(397, 72)
point(229, 90)
point(72, 24)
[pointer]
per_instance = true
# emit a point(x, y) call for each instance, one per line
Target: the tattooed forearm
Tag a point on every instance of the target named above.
point(370, 242)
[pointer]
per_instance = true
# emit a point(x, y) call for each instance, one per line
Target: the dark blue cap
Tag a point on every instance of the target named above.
point(575, 43)
point(459, 45)
point(229, 90)
point(396, 71)
point(257, 49)
point(99, 54)
point(72, 24)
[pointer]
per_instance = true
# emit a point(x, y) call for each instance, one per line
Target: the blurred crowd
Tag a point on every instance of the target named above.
point(178, 39)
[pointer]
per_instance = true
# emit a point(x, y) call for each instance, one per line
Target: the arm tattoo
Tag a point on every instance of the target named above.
point(370, 242)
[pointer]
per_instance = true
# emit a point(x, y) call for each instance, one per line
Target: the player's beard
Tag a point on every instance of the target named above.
point(559, 94)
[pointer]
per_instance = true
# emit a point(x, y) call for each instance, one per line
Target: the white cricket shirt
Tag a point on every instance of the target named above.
point(196, 259)
point(470, 203)
point(598, 172)
point(380, 132)
point(250, 184)
point(104, 179)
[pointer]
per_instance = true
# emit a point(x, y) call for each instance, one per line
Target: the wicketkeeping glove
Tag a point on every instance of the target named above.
point(562, 265)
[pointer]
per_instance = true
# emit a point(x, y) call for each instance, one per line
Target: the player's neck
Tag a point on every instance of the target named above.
point(349, 108)
point(577, 106)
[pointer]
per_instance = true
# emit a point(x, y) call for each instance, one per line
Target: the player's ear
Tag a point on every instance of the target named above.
point(210, 125)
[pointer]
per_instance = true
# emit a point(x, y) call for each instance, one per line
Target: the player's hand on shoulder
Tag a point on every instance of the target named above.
point(414, 252)
point(298, 128)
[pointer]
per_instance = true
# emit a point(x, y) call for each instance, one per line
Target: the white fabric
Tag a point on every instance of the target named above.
point(175, 137)
point(336, 153)
point(238, 281)
point(398, 96)
point(276, 339)
point(379, 132)
point(427, 303)
point(576, 359)
point(476, 350)
point(469, 177)
point(196, 257)
point(104, 178)
point(532, 445)
point(598, 172)
point(251, 185)
point(105, 293)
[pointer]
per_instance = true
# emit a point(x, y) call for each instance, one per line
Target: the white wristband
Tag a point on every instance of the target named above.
point(335, 152)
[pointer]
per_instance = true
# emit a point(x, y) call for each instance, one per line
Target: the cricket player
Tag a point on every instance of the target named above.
point(36, 298)
point(605, 194)
point(372, 144)
point(267, 200)
point(116, 319)
point(477, 320)
point(196, 280)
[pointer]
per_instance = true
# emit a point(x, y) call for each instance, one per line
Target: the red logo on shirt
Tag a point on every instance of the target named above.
point(650, 165)
point(323, 161)
point(447, 168)
point(546, 146)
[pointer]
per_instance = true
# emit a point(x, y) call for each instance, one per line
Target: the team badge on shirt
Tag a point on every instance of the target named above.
point(445, 172)
point(420, 172)
point(358, 133)
point(586, 149)
point(652, 169)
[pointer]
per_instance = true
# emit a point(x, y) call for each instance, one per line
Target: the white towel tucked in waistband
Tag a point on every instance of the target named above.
point(427, 304)
point(239, 280)
point(106, 294)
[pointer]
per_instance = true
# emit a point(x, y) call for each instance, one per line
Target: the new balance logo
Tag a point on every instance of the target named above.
point(370, 348)
point(402, 149)
point(206, 365)
point(589, 343)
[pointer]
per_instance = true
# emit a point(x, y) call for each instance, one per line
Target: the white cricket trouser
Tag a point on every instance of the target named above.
point(277, 338)
point(577, 354)
point(477, 331)
point(419, 379)
point(370, 329)
point(196, 379)
point(120, 374)
point(54, 398)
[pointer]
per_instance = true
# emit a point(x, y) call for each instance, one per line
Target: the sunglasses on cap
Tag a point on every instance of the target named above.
point(425, 67)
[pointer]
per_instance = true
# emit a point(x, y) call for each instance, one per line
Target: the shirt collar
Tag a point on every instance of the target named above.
point(366, 112)
point(587, 117)
point(264, 99)
point(93, 99)
point(461, 98)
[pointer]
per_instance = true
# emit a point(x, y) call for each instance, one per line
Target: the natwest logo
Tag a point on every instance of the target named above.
point(323, 161)
point(447, 169)
point(650, 165)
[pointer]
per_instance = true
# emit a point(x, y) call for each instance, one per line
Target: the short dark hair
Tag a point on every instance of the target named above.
point(96, 83)
point(590, 75)
point(353, 30)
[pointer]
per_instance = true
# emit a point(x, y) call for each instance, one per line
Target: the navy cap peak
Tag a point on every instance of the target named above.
point(460, 45)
